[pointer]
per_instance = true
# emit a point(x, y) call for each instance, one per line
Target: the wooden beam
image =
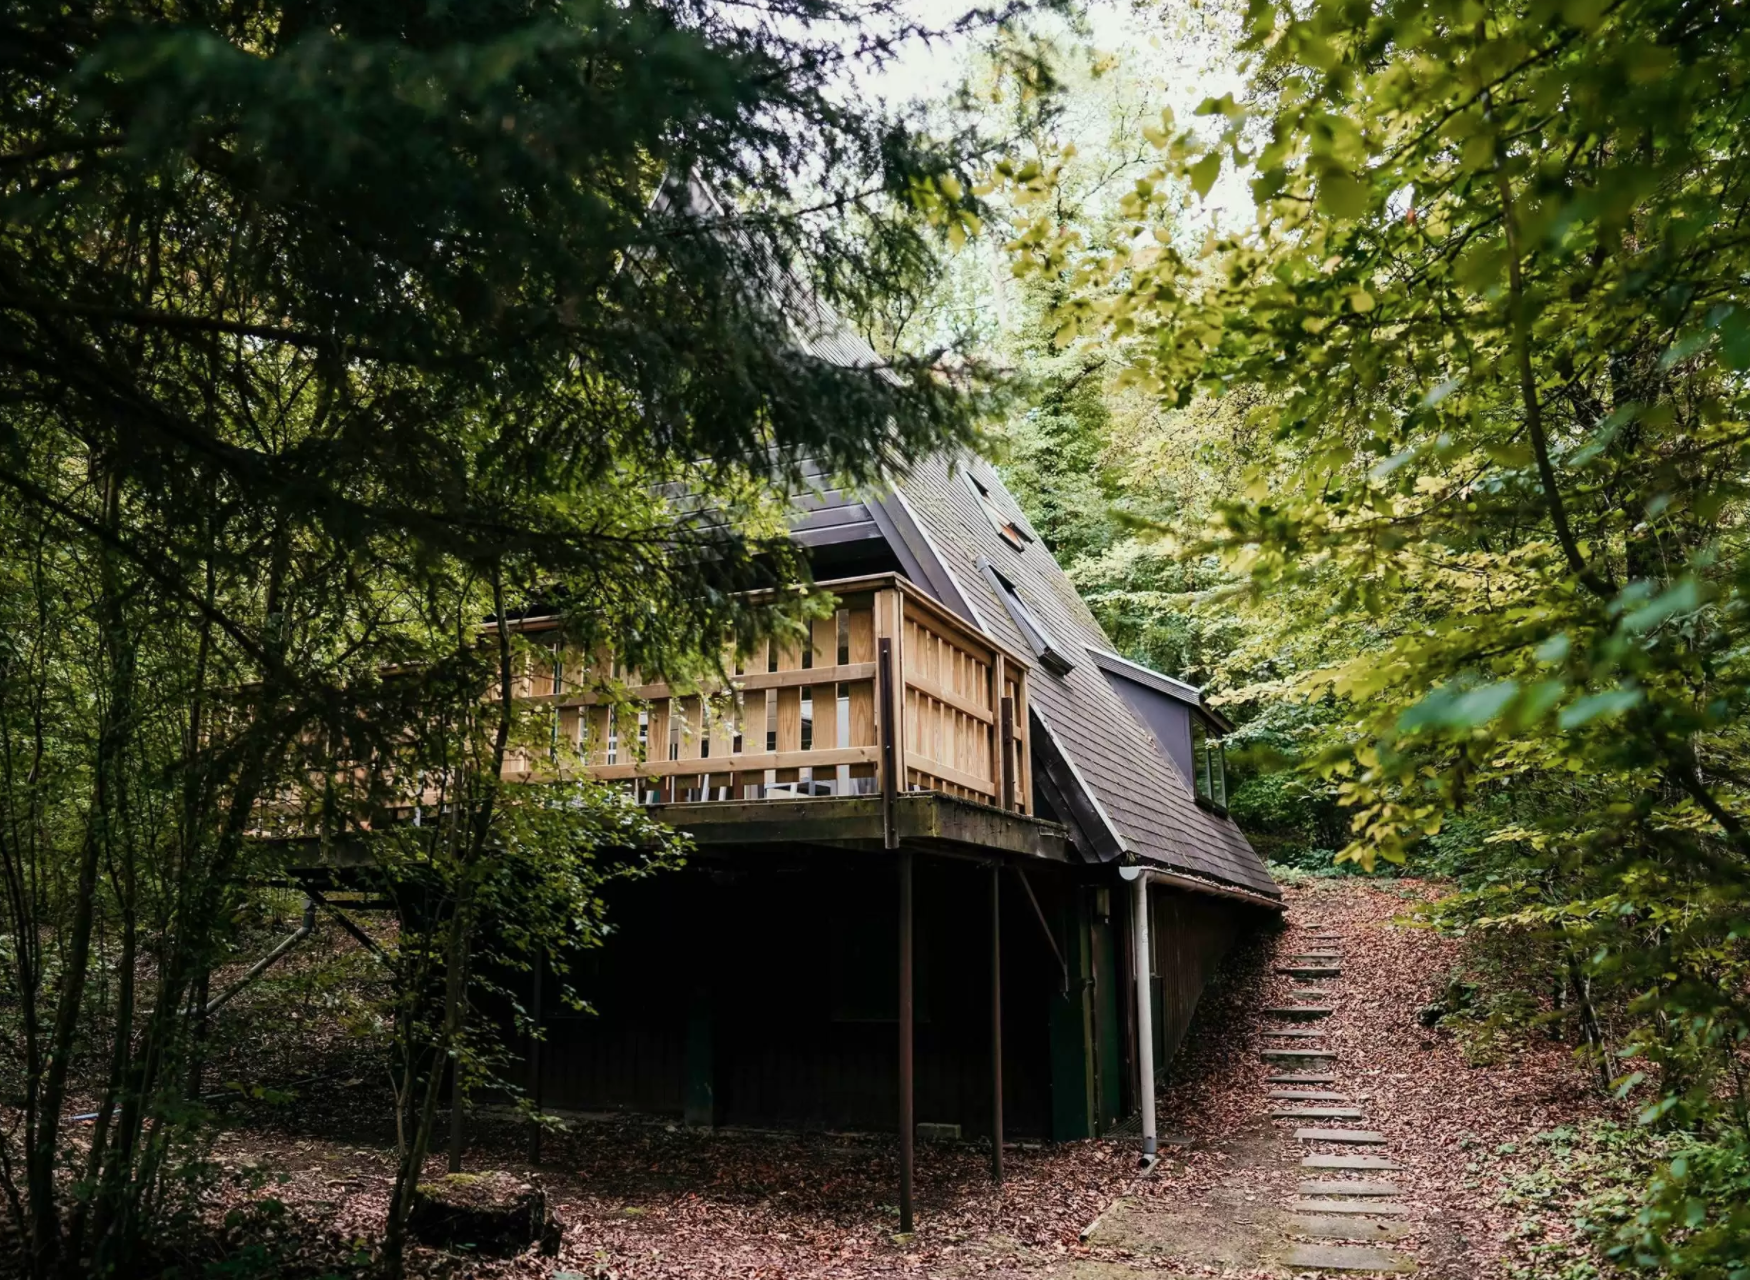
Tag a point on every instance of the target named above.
point(1006, 744)
point(941, 693)
point(889, 744)
point(842, 673)
point(947, 773)
point(745, 762)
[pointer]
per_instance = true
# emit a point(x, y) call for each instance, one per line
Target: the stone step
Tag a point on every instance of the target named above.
point(1374, 1208)
point(1298, 1055)
point(1341, 1228)
point(1319, 1160)
point(1309, 993)
point(1309, 1012)
point(1348, 1187)
point(1313, 957)
point(1293, 1033)
point(1341, 1257)
point(1299, 1079)
point(1317, 1113)
point(1348, 1137)
point(1308, 1095)
point(1311, 971)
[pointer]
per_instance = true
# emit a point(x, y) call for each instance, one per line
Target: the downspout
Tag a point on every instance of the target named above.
point(1141, 878)
point(1145, 1032)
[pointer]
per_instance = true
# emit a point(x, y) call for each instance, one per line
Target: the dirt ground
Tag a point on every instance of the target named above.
point(645, 1200)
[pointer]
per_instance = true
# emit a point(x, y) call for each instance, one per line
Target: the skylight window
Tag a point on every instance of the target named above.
point(1011, 531)
point(1052, 656)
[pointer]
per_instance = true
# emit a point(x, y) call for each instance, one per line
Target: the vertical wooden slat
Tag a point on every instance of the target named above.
point(826, 695)
point(692, 715)
point(722, 730)
point(860, 647)
point(596, 748)
point(896, 608)
point(753, 735)
point(886, 677)
point(1007, 729)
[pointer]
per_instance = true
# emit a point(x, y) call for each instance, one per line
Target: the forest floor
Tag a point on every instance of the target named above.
point(303, 1185)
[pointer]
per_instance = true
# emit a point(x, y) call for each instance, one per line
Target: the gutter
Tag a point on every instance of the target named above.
point(1197, 884)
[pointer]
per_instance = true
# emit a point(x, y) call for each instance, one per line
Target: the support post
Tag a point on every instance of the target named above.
point(907, 1114)
point(1145, 1035)
point(996, 1022)
point(536, 1024)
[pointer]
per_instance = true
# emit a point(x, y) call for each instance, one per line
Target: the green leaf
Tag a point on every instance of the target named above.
point(1553, 649)
point(1606, 705)
point(1342, 196)
point(1537, 700)
point(1439, 393)
point(1443, 708)
point(1734, 339)
point(1204, 173)
point(1681, 598)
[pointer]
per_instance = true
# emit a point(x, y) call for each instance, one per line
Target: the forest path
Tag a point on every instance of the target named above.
point(1328, 1215)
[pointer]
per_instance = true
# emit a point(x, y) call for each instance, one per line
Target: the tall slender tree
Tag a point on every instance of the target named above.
point(323, 326)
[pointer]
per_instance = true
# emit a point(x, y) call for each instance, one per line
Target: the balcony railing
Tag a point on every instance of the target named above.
point(804, 719)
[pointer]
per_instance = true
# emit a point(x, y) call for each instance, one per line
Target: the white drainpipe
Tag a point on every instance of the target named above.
point(1145, 1031)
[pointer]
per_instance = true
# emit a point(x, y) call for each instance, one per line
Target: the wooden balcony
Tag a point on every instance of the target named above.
point(804, 720)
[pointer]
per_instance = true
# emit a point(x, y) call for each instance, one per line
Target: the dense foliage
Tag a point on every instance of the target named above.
point(1485, 348)
point(327, 333)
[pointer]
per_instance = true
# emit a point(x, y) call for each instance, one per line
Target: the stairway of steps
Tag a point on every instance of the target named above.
point(1344, 1215)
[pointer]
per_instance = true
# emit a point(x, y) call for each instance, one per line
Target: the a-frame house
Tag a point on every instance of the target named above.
point(1027, 823)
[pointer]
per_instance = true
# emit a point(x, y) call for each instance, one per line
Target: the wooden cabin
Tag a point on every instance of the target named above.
point(961, 867)
point(958, 778)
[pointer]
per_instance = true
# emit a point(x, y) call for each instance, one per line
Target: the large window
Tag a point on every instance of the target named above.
point(1208, 766)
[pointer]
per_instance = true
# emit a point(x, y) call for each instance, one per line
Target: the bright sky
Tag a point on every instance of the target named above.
point(1188, 65)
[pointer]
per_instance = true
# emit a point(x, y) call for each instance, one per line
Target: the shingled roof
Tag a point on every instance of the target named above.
point(1105, 773)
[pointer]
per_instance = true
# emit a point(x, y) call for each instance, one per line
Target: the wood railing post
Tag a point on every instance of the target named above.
point(884, 676)
point(1007, 740)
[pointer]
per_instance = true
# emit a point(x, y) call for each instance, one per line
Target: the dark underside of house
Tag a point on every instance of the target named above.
point(761, 989)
